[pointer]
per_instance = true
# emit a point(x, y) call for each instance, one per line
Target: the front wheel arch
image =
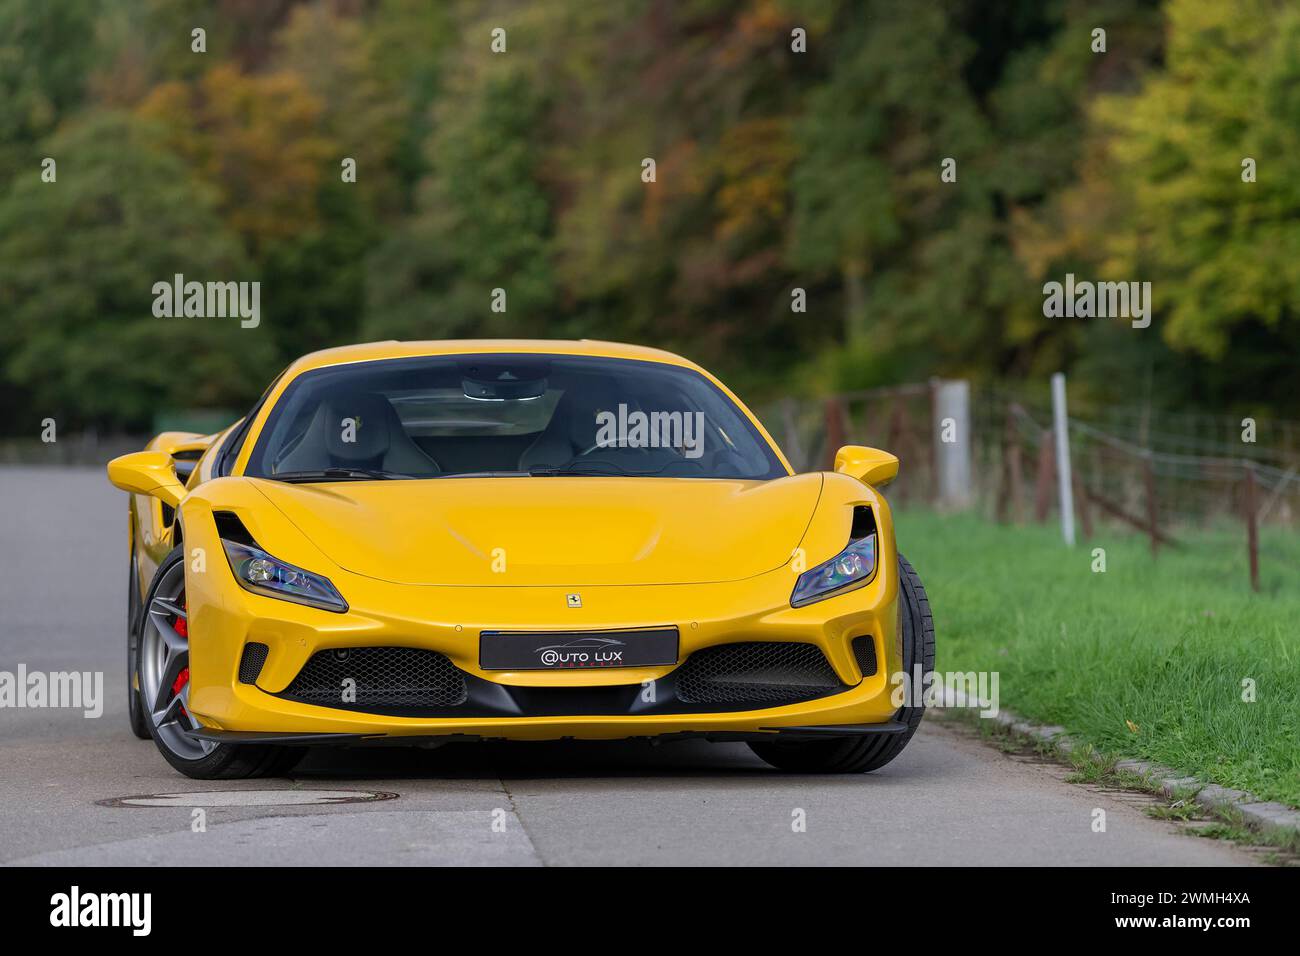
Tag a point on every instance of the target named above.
point(869, 752)
point(222, 761)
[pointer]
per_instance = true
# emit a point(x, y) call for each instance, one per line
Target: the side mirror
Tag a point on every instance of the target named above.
point(869, 465)
point(147, 473)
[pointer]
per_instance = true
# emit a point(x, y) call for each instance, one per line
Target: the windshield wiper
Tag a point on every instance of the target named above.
point(544, 471)
point(484, 474)
point(337, 474)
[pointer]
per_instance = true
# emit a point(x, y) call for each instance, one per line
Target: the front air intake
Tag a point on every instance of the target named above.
point(864, 523)
point(230, 528)
point(379, 680)
point(864, 652)
point(252, 661)
point(762, 673)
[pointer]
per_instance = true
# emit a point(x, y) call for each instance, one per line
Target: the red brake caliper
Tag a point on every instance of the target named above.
point(182, 627)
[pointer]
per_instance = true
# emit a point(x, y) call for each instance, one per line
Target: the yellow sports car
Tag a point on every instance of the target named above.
point(418, 542)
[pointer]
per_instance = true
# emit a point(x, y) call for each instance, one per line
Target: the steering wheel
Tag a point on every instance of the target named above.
point(599, 447)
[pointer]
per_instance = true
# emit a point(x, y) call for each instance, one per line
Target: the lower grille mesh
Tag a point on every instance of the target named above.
point(251, 663)
point(759, 672)
point(864, 652)
point(387, 678)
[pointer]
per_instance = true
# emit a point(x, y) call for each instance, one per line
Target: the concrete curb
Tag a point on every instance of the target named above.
point(1266, 817)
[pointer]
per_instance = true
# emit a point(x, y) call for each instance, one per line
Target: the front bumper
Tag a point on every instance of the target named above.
point(533, 704)
point(434, 740)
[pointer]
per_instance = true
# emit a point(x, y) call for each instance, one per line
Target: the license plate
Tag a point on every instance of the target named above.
point(574, 650)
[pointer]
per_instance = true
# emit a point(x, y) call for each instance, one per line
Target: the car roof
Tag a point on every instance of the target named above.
point(373, 351)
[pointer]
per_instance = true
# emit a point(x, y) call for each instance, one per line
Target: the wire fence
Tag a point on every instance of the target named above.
point(1161, 475)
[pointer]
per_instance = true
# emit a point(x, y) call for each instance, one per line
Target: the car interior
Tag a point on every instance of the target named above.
point(445, 417)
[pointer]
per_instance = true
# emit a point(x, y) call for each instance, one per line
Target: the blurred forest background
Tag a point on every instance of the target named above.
point(775, 170)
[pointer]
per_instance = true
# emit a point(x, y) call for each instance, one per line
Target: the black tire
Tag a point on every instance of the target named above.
point(224, 761)
point(239, 762)
point(135, 715)
point(864, 753)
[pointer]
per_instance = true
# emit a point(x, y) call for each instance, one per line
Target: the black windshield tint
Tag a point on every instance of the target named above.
point(540, 415)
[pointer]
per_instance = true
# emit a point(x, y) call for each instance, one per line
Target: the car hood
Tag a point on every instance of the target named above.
point(552, 531)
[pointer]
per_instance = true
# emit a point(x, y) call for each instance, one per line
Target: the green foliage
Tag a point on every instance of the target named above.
point(315, 280)
point(78, 261)
point(1158, 196)
point(872, 138)
point(256, 139)
point(46, 51)
point(775, 170)
point(481, 223)
point(362, 107)
point(1221, 252)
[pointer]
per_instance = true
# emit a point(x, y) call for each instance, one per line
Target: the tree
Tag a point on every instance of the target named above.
point(46, 52)
point(1220, 253)
point(1157, 195)
point(256, 139)
point(482, 223)
point(364, 110)
point(871, 141)
point(78, 261)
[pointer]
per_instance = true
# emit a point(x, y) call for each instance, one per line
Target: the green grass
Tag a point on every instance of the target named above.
point(1145, 660)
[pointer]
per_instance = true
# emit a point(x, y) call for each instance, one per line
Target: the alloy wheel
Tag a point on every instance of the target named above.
point(165, 668)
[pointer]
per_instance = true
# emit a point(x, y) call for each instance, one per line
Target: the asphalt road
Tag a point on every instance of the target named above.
point(949, 800)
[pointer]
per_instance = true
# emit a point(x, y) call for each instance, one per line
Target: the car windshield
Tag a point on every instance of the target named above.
point(507, 415)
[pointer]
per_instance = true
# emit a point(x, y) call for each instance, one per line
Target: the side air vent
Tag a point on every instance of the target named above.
point(864, 522)
point(864, 652)
point(250, 665)
point(762, 673)
point(230, 528)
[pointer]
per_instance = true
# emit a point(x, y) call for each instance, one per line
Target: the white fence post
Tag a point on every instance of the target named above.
point(1061, 430)
point(952, 444)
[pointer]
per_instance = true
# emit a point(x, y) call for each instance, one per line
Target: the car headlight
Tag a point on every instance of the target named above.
point(851, 568)
point(257, 571)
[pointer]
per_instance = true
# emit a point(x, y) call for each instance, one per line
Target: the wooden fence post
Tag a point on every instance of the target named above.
point(1046, 475)
point(1081, 502)
point(900, 443)
point(1010, 495)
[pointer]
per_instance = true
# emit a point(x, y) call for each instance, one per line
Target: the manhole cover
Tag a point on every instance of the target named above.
point(249, 798)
